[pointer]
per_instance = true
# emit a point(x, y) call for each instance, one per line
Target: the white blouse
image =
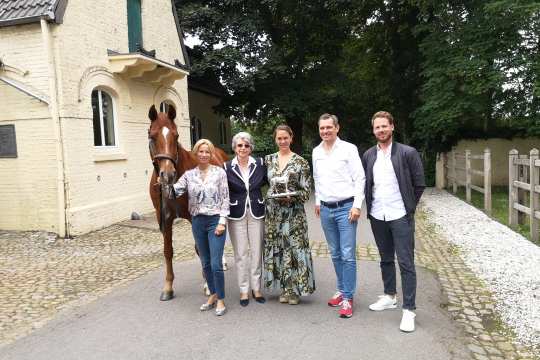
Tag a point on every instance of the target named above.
point(208, 197)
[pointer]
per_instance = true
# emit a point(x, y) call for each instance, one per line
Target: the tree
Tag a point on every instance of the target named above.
point(479, 70)
point(275, 57)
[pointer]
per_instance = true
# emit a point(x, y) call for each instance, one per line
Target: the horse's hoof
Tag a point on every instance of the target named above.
point(166, 295)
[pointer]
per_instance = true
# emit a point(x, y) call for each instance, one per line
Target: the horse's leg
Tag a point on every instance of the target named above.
point(168, 292)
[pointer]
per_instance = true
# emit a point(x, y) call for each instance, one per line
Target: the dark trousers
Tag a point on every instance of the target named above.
point(210, 248)
point(397, 237)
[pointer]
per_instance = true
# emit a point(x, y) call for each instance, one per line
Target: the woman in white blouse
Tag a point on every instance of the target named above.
point(208, 198)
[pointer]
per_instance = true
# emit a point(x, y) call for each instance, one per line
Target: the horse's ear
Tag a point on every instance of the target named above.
point(171, 113)
point(152, 113)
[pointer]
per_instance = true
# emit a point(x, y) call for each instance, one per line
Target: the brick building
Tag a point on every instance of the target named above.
point(76, 81)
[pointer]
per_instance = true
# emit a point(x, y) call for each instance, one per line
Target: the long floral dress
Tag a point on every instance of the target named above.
point(287, 257)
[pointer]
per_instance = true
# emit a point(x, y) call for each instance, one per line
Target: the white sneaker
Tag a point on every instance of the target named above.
point(407, 321)
point(384, 302)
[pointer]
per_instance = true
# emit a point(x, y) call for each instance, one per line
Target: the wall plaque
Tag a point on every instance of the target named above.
point(8, 144)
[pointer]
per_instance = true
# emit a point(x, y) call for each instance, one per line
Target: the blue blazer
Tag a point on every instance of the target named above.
point(238, 193)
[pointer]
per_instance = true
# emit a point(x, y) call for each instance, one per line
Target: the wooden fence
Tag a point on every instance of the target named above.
point(523, 176)
point(460, 172)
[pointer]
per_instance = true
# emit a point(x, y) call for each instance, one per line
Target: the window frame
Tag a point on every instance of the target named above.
point(222, 132)
point(195, 129)
point(101, 124)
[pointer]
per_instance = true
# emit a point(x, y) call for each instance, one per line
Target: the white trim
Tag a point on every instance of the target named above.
point(19, 86)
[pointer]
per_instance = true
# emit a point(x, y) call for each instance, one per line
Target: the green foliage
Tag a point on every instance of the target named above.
point(479, 69)
point(275, 57)
point(499, 207)
point(262, 133)
point(446, 70)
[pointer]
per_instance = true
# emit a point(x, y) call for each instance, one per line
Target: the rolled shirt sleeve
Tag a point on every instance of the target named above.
point(180, 187)
point(358, 177)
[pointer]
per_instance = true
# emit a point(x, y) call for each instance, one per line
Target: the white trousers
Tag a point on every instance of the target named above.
point(246, 238)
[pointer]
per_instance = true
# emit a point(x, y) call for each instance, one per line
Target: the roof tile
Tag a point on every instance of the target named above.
point(19, 9)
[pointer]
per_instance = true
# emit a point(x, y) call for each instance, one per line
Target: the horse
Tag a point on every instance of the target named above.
point(170, 161)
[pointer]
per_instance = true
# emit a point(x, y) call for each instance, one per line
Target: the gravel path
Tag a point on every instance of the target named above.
point(505, 260)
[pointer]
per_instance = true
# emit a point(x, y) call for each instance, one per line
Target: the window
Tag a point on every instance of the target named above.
point(222, 132)
point(134, 25)
point(196, 129)
point(164, 107)
point(103, 118)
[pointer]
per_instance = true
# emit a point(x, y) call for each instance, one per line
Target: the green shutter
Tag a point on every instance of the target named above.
point(134, 25)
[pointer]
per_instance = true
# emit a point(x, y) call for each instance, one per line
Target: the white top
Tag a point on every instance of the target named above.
point(387, 202)
point(245, 174)
point(205, 197)
point(338, 174)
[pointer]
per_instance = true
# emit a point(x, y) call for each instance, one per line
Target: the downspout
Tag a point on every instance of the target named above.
point(63, 229)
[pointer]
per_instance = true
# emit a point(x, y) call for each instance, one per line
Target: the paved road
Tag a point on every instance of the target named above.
point(132, 324)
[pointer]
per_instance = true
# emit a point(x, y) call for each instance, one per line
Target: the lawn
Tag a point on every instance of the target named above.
point(499, 204)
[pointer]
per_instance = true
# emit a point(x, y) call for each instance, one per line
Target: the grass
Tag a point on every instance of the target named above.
point(499, 207)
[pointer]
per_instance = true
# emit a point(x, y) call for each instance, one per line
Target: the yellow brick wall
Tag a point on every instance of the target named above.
point(103, 185)
point(28, 182)
point(106, 184)
point(200, 106)
point(22, 47)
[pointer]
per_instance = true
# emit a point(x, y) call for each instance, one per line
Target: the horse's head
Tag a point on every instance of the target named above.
point(163, 143)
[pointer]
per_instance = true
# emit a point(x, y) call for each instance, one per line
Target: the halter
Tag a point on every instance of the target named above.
point(157, 157)
point(164, 189)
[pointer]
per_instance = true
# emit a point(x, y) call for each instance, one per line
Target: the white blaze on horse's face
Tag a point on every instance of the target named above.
point(164, 131)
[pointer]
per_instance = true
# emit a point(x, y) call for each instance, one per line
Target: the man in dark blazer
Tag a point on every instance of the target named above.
point(394, 185)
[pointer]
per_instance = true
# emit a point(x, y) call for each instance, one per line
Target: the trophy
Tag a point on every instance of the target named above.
point(279, 187)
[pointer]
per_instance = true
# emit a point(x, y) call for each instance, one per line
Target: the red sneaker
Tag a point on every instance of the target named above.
point(336, 300)
point(346, 308)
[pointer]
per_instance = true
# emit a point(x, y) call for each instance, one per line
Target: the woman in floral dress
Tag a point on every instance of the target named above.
point(287, 256)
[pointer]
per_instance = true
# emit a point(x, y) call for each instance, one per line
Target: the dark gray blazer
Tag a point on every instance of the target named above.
point(409, 173)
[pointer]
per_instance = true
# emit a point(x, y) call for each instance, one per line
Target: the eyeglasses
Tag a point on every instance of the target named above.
point(247, 146)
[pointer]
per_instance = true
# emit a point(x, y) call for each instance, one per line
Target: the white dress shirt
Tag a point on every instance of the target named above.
point(338, 174)
point(387, 201)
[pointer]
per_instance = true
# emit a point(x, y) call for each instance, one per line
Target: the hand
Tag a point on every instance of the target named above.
point(220, 229)
point(318, 210)
point(354, 214)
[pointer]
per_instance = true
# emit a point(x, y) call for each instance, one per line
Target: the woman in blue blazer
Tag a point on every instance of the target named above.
point(246, 175)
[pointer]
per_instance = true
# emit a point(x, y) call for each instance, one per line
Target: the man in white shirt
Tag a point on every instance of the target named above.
point(394, 185)
point(339, 193)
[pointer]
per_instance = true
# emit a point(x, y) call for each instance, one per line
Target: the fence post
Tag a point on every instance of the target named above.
point(440, 171)
point(454, 179)
point(512, 190)
point(534, 198)
point(523, 176)
point(468, 175)
point(487, 181)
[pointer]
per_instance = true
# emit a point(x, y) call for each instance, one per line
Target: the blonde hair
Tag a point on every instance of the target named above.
point(383, 114)
point(201, 142)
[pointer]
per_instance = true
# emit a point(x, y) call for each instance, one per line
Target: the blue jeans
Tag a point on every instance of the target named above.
point(396, 238)
point(341, 238)
point(210, 248)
